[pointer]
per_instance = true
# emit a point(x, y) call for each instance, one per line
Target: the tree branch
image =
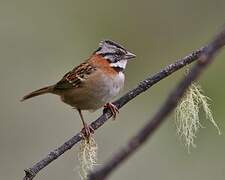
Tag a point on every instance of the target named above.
point(141, 87)
point(205, 59)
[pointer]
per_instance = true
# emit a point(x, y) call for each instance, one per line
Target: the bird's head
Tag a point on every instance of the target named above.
point(114, 53)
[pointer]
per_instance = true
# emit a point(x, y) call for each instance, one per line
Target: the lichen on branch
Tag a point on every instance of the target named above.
point(87, 156)
point(187, 114)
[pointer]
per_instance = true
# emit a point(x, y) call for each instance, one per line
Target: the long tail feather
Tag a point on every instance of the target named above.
point(48, 89)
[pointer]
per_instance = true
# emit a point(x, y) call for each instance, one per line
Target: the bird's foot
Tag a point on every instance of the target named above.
point(87, 131)
point(112, 108)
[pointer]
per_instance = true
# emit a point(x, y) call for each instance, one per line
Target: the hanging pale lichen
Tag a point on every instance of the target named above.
point(187, 114)
point(87, 156)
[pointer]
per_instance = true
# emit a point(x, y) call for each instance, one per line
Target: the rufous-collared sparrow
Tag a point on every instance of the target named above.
point(93, 83)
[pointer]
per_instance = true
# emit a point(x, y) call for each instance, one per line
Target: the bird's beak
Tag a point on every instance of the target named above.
point(129, 55)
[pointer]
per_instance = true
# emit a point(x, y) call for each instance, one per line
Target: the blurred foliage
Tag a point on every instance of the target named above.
point(41, 40)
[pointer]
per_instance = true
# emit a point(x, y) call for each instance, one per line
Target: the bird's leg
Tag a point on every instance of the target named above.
point(112, 108)
point(87, 130)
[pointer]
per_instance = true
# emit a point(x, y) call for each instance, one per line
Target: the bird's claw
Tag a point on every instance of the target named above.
point(87, 131)
point(114, 110)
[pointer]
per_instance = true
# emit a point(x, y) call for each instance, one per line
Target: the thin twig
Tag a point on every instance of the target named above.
point(167, 107)
point(142, 86)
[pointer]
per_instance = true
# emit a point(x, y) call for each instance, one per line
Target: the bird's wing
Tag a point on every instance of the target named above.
point(76, 77)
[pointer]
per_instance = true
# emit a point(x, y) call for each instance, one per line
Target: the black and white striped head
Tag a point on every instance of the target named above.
point(116, 54)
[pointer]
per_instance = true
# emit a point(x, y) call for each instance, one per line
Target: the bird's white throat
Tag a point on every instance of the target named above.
point(120, 64)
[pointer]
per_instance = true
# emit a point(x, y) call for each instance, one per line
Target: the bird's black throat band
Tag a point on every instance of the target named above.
point(118, 69)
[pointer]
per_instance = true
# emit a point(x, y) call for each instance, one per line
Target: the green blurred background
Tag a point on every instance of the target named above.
point(40, 40)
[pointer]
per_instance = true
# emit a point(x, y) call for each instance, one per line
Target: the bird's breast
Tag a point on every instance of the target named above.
point(105, 87)
point(96, 91)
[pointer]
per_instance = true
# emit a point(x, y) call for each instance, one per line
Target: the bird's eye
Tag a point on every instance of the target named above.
point(119, 53)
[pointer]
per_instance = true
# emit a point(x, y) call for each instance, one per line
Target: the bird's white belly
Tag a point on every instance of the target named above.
point(94, 94)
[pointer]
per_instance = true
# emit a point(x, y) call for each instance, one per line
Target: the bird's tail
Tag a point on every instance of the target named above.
point(48, 89)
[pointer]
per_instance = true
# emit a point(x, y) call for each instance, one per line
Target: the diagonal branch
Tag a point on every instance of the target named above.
point(141, 87)
point(171, 102)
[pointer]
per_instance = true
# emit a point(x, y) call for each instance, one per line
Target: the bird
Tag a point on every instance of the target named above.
point(94, 83)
